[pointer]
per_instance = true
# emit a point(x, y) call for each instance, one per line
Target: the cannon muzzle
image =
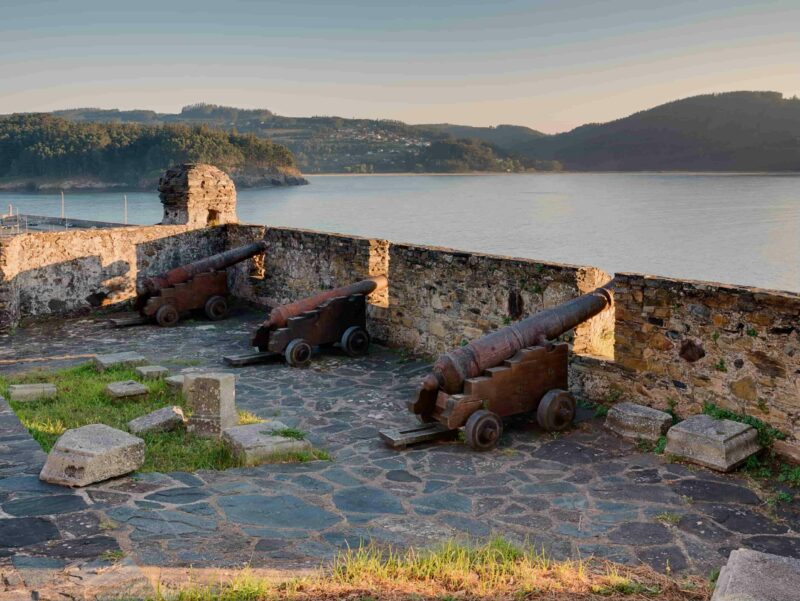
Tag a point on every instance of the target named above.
point(184, 273)
point(453, 368)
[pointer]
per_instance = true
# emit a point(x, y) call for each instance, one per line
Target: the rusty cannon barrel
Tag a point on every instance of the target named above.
point(453, 368)
point(184, 273)
point(280, 315)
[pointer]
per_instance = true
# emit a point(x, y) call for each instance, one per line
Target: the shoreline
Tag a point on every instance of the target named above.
point(498, 174)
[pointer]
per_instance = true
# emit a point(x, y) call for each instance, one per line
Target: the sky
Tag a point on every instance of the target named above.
point(548, 65)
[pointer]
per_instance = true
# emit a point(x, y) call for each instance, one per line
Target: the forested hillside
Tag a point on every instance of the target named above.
point(738, 131)
point(42, 147)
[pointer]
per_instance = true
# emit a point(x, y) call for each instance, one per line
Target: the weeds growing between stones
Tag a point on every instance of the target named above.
point(81, 400)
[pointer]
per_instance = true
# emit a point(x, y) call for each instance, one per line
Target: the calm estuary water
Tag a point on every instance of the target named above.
point(742, 229)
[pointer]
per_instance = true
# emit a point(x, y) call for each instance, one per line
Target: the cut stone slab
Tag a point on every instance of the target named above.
point(175, 382)
point(31, 392)
point(630, 420)
point(126, 389)
point(90, 454)
point(257, 443)
point(152, 372)
point(754, 576)
point(126, 359)
point(211, 397)
point(165, 419)
point(720, 444)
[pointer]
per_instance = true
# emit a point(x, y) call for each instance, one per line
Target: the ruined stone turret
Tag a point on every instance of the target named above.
point(197, 195)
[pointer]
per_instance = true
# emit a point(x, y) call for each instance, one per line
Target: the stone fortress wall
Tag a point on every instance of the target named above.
point(665, 342)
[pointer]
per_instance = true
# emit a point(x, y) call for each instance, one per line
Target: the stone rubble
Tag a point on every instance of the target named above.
point(211, 398)
point(630, 420)
point(719, 444)
point(754, 576)
point(258, 443)
point(126, 359)
point(90, 454)
point(31, 392)
point(127, 389)
point(175, 382)
point(165, 419)
point(152, 372)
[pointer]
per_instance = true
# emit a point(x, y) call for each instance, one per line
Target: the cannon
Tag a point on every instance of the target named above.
point(322, 319)
point(513, 370)
point(202, 285)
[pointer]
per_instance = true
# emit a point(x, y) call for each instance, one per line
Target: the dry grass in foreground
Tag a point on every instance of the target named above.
point(455, 571)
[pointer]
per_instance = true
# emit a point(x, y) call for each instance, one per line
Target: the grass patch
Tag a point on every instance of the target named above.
point(766, 434)
point(495, 569)
point(81, 400)
point(668, 517)
point(246, 418)
point(293, 433)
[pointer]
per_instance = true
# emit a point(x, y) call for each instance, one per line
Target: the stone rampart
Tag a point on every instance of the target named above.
point(681, 344)
point(52, 273)
point(665, 343)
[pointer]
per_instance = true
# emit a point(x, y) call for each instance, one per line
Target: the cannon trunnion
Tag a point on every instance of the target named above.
point(512, 370)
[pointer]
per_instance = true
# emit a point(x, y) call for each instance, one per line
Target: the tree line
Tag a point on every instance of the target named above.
point(45, 146)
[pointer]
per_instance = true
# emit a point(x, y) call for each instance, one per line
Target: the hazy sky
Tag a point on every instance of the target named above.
point(549, 65)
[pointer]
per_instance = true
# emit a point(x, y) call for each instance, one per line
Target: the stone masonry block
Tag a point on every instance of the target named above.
point(90, 454)
point(211, 398)
point(31, 392)
point(127, 389)
point(174, 382)
point(165, 419)
point(755, 576)
point(152, 372)
point(630, 420)
point(720, 444)
point(256, 443)
point(126, 359)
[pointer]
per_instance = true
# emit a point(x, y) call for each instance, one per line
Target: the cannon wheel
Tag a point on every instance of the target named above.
point(216, 308)
point(298, 353)
point(167, 316)
point(355, 341)
point(483, 430)
point(556, 410)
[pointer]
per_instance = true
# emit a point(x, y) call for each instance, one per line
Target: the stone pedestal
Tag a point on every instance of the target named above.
point(152, 372)
point(127, 389)
point(630, 420)
point(90, 454)
point(754, 576)
point(211, 399)
point(720, 444)
point(31, 392)
point(126, 359)
point(165, 419)
point(256, 443)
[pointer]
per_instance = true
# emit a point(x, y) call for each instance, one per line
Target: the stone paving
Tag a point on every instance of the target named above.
point(583, 493)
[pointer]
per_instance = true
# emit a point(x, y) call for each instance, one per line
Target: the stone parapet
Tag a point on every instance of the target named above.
point(197, 195)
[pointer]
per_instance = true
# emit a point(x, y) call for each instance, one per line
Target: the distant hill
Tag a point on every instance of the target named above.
point(41, 150)
point(737, 131)
point(507, 137)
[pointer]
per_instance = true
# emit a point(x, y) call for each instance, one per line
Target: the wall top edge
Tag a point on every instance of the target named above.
point(707, 285)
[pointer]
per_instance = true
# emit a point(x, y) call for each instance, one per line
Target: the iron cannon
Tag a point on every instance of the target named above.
point(322, 319)
point(202, 285)
point(513, 370)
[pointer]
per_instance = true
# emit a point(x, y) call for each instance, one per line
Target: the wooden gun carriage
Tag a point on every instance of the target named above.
point(510, 371)
point(202, 285)
point(321, 320)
